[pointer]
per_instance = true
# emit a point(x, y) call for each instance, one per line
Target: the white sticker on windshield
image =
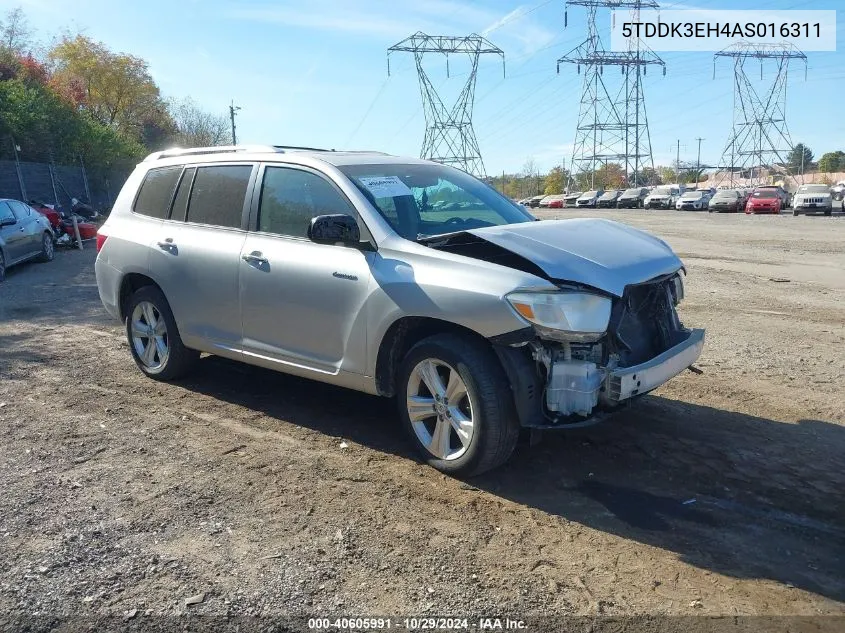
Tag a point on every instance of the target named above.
point(385, 186)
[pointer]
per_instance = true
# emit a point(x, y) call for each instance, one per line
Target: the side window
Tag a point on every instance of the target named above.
point(180, 202)
point(20, 209)
point(6, 212)
point(218, 194)
point(157, 191)
point(291, 197)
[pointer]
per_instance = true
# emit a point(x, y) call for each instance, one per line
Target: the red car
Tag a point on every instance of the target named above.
point(557, 203)
point(51, 214)
point(763, 201)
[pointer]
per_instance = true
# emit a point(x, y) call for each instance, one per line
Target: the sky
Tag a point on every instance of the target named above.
point(314, 72)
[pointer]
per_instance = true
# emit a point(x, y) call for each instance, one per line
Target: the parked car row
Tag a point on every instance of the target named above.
point(813, 198)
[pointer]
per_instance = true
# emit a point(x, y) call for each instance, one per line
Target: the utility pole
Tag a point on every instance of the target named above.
point(698, 162)
point(678, 163)
point(232, 109)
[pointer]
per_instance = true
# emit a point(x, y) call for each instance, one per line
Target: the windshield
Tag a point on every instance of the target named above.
point(727, 194)
point(814, 189)
point(422, 200)
point(765, 193)
point(610, 194)
point(631, 192)
point(590, 194)
point(662, 191)
point(692, 195)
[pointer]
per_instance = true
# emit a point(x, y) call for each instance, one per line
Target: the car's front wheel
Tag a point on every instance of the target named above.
point(2, 267)
point(456, 405)
point(154, 338)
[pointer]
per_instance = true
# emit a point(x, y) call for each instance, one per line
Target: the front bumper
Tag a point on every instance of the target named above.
point(622, 384)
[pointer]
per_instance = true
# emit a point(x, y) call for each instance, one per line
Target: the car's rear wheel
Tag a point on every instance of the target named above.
point(456, 405)
point(48, 250)
point(153, 337)
point(2, 267)
point(795, 212)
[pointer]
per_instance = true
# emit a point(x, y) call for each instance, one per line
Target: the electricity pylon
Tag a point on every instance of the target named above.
point(449, 136)
point(759, 137)
point(612, 121)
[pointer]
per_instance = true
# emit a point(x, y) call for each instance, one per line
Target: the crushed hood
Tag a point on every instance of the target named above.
point(600, 253)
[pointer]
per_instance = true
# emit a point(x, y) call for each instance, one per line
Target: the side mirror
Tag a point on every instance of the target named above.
point(8, 222)
point(334, 229)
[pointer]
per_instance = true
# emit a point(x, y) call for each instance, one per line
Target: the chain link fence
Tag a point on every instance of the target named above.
point(36, 175)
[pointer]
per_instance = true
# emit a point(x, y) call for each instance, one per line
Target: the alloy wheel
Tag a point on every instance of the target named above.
point(440, 409)
point(47, 243)
point(149, 336)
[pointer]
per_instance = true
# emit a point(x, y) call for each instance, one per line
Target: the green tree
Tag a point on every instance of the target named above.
point(611, 176)
point(832, 162)
point(667, 175)
point(800, 158)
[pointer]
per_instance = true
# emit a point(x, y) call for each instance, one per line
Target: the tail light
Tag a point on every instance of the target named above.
point(101, 239)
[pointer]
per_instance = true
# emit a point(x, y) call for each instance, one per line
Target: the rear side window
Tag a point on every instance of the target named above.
point(291, 197)
point(180, 202)
point(157, 192)
point(218, 194)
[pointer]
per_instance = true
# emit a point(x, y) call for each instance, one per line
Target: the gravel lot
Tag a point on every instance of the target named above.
point(720, 494)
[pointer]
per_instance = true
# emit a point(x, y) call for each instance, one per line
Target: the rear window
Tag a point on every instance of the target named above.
point(218, 194)
point(157, 191)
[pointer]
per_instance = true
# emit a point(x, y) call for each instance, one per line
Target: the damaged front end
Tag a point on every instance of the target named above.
point(586, 354)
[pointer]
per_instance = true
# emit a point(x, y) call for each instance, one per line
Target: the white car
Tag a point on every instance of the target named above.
point(662, 197)
point(696, 200)
point(589, 198)
point(838, 190)
point(812, 199)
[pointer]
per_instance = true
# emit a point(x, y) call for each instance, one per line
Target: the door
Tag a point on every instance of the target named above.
point(302, 304)
point(196, 255)
point(30, 227)
point(14, 236)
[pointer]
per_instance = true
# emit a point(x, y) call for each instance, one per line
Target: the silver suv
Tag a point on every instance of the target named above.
point(396, 277)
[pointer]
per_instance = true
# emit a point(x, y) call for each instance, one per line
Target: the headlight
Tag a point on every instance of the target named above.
point(564, 315)
point(678, 288)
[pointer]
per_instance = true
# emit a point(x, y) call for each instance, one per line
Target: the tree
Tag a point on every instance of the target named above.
point(611, 176)
point(667, 175)
point(800, 158)
point(555, 182)
point(15, 34)
point(532, 174)
point(832, 162)
point(118, 89)
point(195, 127)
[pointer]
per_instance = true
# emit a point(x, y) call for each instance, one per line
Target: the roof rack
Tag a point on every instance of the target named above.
point(303, 149)
point(193, 151)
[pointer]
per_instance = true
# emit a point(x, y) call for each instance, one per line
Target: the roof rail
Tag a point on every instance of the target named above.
point(193, 151)
point(303, 149)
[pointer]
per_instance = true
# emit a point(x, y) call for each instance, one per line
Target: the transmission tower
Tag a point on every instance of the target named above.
point(760, 137)
point(612, 122)
point(449, 137)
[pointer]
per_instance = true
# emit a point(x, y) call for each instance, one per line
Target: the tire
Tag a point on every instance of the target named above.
point(828, 211)
point(2, 267)
point(483, 397)
point(795, 212)
point(148, 304)
point(48, 249)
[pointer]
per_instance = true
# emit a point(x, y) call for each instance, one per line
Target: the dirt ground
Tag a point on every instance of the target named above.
point(719, 494)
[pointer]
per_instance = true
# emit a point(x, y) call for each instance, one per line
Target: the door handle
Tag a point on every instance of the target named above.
point(166, 244)
point(255, 257)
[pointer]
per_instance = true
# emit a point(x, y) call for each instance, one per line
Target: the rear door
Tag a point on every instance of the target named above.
point(302, 302)
point(197, 254)
point(14, 236)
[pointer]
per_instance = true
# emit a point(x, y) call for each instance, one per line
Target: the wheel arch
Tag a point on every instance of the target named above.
point(130, 283)
point(401, 336)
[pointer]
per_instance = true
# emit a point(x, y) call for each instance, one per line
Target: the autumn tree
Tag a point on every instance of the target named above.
point(117, 89)
point(555, 182)
point(611, 176)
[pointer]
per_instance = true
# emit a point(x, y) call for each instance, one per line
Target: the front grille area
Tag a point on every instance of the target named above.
point(644, 322)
